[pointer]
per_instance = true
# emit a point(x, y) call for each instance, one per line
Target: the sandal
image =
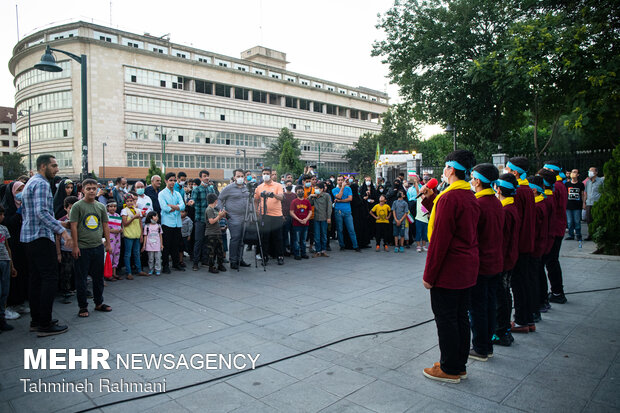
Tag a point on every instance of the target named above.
point(104, 308)
point(83, 312)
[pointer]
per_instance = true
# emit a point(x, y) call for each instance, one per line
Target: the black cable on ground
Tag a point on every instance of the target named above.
point(226, 376)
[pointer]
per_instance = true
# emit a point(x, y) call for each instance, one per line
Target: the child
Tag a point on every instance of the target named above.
point(300, 213)
point(88, 225)
point(153, 242)
point(506, 187)
point(224, 228)
point(421, 226)
point(6, 271)
point(400, 210)
point(65, 256)
point(483, 311)
point(381, 213)
point(214, 235)
point(322, 203)
point(186, 233)
point(115, 224)
point(132, 231)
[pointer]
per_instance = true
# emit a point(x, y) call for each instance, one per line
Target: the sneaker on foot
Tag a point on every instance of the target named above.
point(213, 270)
point(425, 248)
point(473, 354)
point(402, 249)
point(418, 249)
point(51, 330)
point(378, 248)
point(221, 268)
point(195, 267)
point(462, 374)
point(436, 373)
point(386, 248)
point(557, 298)
point(396, 249)
point(517, 328)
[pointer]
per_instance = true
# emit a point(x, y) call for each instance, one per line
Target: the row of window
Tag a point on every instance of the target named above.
point(46, 131)
point(190, 110)
point(34, 76)
point(153, 133)
point(157, 79)
point(173, 160)
point(50, 101)
point(64, 158)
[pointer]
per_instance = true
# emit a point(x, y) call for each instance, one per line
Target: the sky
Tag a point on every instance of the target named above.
point(328, 39)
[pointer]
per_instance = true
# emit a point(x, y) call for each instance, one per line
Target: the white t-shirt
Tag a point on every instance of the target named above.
point(145, 204)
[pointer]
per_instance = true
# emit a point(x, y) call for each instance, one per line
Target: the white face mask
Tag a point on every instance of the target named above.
point(506, 170)
point(590, 174)
point(266, 178)
point(317, 191)
point(239, 181)
point(444, 178)
point(471, 185)
point(368, 183)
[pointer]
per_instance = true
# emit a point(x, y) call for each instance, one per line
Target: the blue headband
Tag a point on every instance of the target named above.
point(552, 167)
point(546, 183)
point(456, 165)
point(514, 167)
point(562, 175)
point(536, 187)
point(478, 175)
point(505, 184)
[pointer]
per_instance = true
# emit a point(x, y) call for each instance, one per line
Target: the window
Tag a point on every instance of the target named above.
point(105, 39)
point(204, 87)
point(15, 144)
point(304, 104)
point(290, 102)
point(134, 79)
point(259, 72)
point(241, 93)
point(259, 96)
point(181, 138)
point(293, 125)
point(307, 127)
point(132, 44)
point(182, 55)
point(134, 135)
point(223, 64)
point(306, 147)
point(318, 107)
point(201, 115)
point(203, 60)
point(65, 133)
point(158, 50)
point(178, 84)
point(241, 68)
point(222, 90)
point(5, 143)
point(330, 88)
point(223, 117)
point(305, 82)
point(162, 83)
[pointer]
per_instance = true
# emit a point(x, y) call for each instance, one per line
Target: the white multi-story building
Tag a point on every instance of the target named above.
point(8, 137)
point(210, 107)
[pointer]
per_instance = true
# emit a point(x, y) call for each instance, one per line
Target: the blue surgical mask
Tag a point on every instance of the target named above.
point(19, 196)
point(308, 184)
point(249, 178)
point(350, 180)
point(140, 191)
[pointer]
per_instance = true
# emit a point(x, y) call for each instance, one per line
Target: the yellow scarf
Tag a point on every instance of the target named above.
point(558, 178)
point(523, 182)
point(539, 198)
point(548, 192)
point(484, 192)
point(508, 201)
point(460, 184)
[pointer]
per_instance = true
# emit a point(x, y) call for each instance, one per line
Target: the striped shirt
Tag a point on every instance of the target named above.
point(38, 211)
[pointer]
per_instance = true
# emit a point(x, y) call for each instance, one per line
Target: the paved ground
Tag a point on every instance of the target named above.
point(571, 364)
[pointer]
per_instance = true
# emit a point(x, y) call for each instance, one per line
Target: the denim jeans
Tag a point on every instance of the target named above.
point(299, 241)
point(287, 233)
point(320, 236)
point(200, 245)
point(483, 313)
point(348, 221)
point(421, 229)
point(90, 262)
point(573, 217)
point(132, 247)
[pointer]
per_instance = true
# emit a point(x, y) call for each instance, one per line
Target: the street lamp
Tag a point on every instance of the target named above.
point(244, 154)
point(163, 146)
point(104, 145)
point(452, 129)
point(21, 113)
point(48, 64)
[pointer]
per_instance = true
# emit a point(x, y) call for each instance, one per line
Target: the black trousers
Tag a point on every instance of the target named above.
point(450, 308)
point(504, 303)
point(271, 235)
point(43, 279)
point(484, 313)
point(383, 231)
point(172, 242)
point(554, 270)
point(90, 262)
point(522, 290)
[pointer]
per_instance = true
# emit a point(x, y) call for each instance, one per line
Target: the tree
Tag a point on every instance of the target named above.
point(289, 160)
point(153, 170)
point(606, 211)
point(272, 156)
point(13, 166)
point(361, 157)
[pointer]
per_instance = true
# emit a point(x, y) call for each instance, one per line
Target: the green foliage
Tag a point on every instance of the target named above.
point(362, 156)
point(435, 149)
point(13, 166)
point(606, 211)
point(153, 170)
point(289, 160)
point(93, 175)
point(272, 156)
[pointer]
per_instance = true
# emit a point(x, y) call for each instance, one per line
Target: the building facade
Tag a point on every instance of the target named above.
point(148, 96)
point(8, 135)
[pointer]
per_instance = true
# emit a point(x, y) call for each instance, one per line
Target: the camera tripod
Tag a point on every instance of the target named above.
point(249, 218)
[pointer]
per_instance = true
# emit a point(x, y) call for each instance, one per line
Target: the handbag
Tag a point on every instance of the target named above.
point(107, 267)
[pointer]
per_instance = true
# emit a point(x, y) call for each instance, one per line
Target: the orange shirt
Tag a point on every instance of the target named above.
point(274, 206)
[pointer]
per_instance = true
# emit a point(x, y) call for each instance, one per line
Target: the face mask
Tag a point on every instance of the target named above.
point(308, 184)
point(350, 180)
point(19, 196)
point(317, 191)
point(239, 181)
point(444, 179)
point(181, 183)
point(266, 178)
point(300, 195)
point(110, 185)
point(381, 190)
point(140, 191)
point(289, 188)
point(506, 170)
point(332, 179)
point(471, 185)
point(590, 174)
point(367, 183)
point(249, 178)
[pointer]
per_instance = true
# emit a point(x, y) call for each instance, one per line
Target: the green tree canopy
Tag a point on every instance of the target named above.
point(272, 156)
point(289, 160)
point(12, 166)
point(153, 170)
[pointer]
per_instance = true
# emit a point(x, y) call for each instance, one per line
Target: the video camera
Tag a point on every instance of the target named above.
point(266, 194)
point(251, 187)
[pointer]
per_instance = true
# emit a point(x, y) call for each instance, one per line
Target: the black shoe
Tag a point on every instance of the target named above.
point(51, 330)
point(280, 260)
point(221, 268)
point(342, 248)
point(569, 238)
point(408, 246)
point(505, 340)
point(195, 267)
point(297, 257)
point(213, 270)
point(234, 266)
point(166, 270)
point(35, 326)
point(178, 268)
point(358, 250)
point(558, 299)
point(305, 256)
point(225, 261)
point(244, 264)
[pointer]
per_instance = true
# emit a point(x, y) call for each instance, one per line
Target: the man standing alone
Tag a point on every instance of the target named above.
point(593, 193)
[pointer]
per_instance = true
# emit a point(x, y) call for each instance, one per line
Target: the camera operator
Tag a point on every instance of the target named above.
point(234, 198)
point(270, 194)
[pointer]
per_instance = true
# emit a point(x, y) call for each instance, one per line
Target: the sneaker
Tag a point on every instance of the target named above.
point(221, 268)
point(504, 341)
point(21, 309)
point(462, 374)
point(151, 272)
point(425, 248)
point(258, 257)
point(51, 330)
point(517, 328)
point(378, 248)
point(157, 273)
point(213, 270)
point(418, 249)
point(396, 249)
point(557, 298)
point(281, 260)
point(386, 248)
point(436, 373)
point(195, 267)
point(11, 315)
point(473, 354)
point(402, 249)
point(490, 355)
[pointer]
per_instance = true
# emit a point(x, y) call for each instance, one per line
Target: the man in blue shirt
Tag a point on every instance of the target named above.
point(342, 197)
point(38, 233)
point(171, 204)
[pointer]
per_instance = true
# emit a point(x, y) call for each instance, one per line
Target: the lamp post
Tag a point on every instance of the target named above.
point(244, 154)
point(452, 129)
point(104, 145)
point(163, 146)
point(48, 64)
point(21, 113)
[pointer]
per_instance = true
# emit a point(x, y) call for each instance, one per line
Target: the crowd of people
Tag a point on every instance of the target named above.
point(492, 237)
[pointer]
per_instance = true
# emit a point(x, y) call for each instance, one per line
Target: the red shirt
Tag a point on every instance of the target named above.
point(301, 208)
point(550, 204)
point(524, 200)
point(452, 259)
point(490, 236)
point(542, 229)
point(512, 224)
point(558, 220)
